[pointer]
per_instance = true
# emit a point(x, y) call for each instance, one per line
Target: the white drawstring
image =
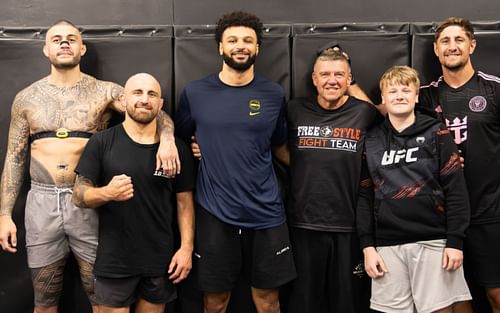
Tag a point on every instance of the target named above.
point(58, 192)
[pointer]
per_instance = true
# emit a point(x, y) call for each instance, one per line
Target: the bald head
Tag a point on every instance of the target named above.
point(143, 79)
point(142, 98)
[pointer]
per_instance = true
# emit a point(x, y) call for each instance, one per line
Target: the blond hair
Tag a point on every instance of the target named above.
point(400, 74)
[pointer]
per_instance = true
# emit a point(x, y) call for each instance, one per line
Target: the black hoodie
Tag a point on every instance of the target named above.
point(414, 188)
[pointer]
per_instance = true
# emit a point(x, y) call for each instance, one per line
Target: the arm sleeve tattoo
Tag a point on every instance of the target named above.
point(15, 160)
point(114, 93)
point(165, 124)
point(82, 184)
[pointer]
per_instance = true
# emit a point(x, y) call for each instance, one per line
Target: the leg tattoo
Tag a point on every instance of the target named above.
point(47, 283)
point(87, 278)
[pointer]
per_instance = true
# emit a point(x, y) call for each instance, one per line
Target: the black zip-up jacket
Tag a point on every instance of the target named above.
point(413, 187)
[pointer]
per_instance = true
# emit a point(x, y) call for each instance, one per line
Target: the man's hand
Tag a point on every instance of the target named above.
point(180, 265)
point(461, 159)
point(120, 188)
point(8, 234)
point(195, 148)
point(452, 259)
point(374, 265)
point(167, 158)
point(337, 48)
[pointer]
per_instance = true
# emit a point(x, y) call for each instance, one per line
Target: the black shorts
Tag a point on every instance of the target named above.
point(330, 276)
point(224, 251)
point(482, 254)
point(122, 292)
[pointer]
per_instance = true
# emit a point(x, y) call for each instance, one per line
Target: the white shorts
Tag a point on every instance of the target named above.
point(416, 281)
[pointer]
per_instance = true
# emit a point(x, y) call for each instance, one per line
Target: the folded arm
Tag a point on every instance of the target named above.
point(87, 195)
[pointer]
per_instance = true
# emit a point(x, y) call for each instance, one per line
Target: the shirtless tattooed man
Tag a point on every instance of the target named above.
point(54, 117)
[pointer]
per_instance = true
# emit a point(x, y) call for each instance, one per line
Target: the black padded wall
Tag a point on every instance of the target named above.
point(196, 55)
point(178, 54)
point(329, 11)
point(20, 61)
point(185, 12)
point(115, 54)
point(89, 12)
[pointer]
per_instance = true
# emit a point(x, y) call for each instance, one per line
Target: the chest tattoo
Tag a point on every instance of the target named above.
point(75, 108)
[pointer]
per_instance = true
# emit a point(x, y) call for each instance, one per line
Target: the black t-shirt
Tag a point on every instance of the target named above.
point(325, 163)
point(472, 114)
point(135, 236)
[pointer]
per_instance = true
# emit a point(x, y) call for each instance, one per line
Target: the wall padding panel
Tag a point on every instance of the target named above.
point(196, 55)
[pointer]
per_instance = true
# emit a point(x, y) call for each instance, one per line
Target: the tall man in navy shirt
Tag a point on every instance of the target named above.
point(238, 117)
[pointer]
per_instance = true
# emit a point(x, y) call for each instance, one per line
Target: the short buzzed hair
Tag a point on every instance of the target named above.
point(465, 24)
point(400, 74)
point(63, 22)
point(331, 55)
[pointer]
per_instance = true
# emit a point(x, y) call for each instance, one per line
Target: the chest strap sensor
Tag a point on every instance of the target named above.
point(61, 133)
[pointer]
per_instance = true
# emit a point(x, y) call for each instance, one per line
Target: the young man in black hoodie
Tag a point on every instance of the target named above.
point(413, 210)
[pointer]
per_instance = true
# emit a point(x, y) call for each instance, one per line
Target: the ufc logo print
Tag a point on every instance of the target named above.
point(393, 157)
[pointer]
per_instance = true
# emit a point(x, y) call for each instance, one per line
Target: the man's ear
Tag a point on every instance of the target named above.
point(472, 45)
point(314, 79)
point(45, 50)
point(121, 98)
point(221, 51)
point(83, 50)
point(382, 98)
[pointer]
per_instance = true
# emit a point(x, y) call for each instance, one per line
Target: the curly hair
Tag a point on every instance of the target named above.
point(238, 18)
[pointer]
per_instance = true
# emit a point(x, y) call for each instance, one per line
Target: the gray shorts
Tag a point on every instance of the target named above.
point(416, 281)
point(54, 226)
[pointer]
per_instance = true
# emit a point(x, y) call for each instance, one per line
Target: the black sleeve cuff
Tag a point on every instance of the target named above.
point(455, 242)
point(366, 241)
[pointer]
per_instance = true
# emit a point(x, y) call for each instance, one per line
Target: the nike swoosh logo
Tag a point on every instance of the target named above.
point(253, 113)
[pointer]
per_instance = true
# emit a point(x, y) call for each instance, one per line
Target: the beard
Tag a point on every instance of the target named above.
point(74, 62)
point(454, 66)
point(141, 118)
point(239, 66)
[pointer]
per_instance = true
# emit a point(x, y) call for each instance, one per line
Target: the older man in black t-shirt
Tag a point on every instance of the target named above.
point(325, 142)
